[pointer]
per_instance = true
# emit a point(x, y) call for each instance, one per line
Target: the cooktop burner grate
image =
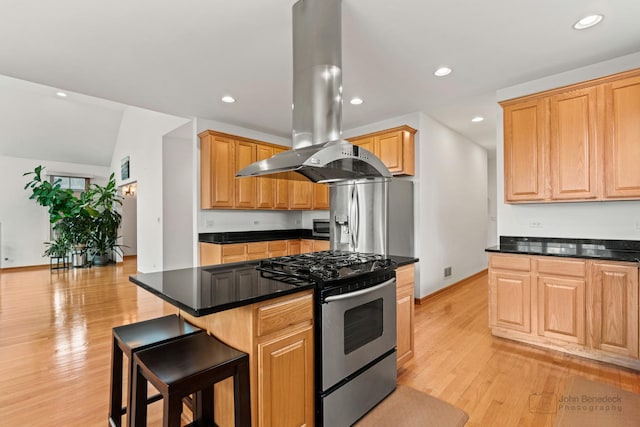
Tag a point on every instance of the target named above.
point(326, 266)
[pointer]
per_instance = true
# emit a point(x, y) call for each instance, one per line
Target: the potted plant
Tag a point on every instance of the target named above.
point(105, 221)
point(58, 251)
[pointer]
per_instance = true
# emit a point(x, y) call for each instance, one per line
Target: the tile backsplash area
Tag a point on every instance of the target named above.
point(237, 220)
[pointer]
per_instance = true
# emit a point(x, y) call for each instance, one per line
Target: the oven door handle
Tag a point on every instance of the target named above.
point(360, 292)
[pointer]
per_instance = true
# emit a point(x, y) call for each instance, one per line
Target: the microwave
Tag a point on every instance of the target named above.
point(320, 228)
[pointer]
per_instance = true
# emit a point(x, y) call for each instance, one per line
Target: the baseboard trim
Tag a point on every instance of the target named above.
point(452, 286)
point(26, 268)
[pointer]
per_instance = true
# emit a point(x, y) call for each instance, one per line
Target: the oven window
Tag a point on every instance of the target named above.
point(362, 325)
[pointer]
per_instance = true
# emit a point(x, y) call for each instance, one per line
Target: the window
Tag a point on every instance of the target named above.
point(77, 184)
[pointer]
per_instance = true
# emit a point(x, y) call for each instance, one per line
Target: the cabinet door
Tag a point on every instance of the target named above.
point(510, 300)
point(524, 165)
point(293, 247)
point(245, 187)
point(320, 196)
point(622, 138)
point(300, 192)
point(405, 313)
point(573, 139)
point(390, 151)
point(217, 171)
point(277, 248)
point(282, 187)
point(265, 185)
point(306, 246)
point(561, 308)
point(368, 143)
point(285, 386)
point(613, 308)
point(321, 245)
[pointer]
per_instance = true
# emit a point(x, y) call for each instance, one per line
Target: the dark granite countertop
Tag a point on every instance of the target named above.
point(403, 260)
point(256, 236)
point(614, 250)
point(205, 290)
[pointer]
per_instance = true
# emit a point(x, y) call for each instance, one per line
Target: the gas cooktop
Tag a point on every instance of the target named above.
point(327, 266)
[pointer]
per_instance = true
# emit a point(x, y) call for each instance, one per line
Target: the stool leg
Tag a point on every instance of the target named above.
point(115, 400)
point(172, 411)
point(242, 396)
point(137, 413)
point(203, 407)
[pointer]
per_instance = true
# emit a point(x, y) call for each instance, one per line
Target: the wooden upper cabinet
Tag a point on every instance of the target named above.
point(395, 147)
point(265, 185)
point(320, 196)
point(577, 143)
point(622, 138)
point(245, 187)
point(524, 151)
point(217, 170)
point(573, 145)
point(300, 192)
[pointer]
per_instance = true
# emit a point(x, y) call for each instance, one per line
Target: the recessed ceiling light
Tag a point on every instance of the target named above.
point(356, 101)
point(477, 119)
point(228, 99)
point(61, 94)
point(588, 22)
point(442, 71)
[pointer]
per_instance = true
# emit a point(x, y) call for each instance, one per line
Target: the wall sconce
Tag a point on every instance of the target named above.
point(129, 190)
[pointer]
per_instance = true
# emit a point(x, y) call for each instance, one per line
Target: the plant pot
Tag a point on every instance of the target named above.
point(101, 259)
point(79, 259)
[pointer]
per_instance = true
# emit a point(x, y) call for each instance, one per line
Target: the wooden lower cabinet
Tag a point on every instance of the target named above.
point(510, 292)
point(214, 253)
point(584, 307)
point(612, 301)
point(278, 336)
point(405, 312)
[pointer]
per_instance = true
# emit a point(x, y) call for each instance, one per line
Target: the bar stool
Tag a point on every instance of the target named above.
point(190, 365)
point(129, 339)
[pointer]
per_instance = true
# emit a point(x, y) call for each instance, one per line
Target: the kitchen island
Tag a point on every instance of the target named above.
point(578, 296)
point(270, 320)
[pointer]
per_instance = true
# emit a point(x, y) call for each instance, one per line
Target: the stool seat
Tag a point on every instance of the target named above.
point(127, 340)
point(191, 365)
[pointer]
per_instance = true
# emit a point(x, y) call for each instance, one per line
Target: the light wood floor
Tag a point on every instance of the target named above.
point(55, 338)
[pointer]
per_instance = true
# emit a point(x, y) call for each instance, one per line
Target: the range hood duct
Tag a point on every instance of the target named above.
point(318, 152)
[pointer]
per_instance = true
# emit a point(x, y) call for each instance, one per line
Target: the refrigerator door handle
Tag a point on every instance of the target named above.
point(353, 209)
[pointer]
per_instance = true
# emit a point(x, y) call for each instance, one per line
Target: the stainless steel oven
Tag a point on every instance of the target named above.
point(355, 328)
point(357, 344)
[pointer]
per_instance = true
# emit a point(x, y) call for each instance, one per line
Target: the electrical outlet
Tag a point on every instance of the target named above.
point(535, 224)
point(256, 222)
point(637, 224)
point(209, 222)
point(447, 271)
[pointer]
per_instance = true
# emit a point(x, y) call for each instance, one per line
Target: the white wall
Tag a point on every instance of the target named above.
point(25, 224)
point(140, 138)
point(450, 206)
point(600, 220)
point(177, 185)
point(492, 232)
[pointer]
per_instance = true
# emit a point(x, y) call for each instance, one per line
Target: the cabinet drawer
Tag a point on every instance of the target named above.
point(232, 250)
point(563, 267)
point(510, 262)
point(281, 315)
point(405, 276)
point(257, 248)
point(278, 245)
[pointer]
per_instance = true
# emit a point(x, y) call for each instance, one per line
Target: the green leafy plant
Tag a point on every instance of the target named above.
point(90, 221)
point(59, 248)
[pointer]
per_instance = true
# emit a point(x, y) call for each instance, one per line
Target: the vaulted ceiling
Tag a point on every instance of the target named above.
point(181, 57)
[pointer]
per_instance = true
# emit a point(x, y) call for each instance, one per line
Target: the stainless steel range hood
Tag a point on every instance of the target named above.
point(318, 152)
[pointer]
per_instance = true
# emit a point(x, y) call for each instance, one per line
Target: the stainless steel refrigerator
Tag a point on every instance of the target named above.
point(372, 216)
